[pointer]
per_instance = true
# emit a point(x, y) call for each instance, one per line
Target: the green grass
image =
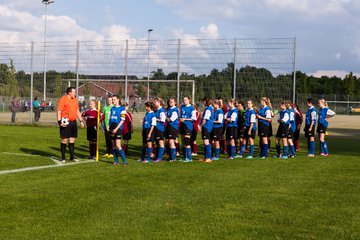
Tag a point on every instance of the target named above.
point(241, 199)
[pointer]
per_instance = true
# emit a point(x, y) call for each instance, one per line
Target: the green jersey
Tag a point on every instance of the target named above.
point(106, 112)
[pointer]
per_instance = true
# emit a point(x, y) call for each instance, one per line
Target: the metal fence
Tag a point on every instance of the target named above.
point(239, 68)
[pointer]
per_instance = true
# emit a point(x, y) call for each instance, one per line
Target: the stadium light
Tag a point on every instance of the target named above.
point(46, 3)
point(148, 65)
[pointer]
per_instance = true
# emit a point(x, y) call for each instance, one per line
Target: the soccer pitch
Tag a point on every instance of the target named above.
point(297, 198)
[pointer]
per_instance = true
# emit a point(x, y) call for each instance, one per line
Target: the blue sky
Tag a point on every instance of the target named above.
point(327, 31)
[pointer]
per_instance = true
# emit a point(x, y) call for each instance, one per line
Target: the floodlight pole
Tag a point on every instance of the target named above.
point(148, 65)
point(46, 3)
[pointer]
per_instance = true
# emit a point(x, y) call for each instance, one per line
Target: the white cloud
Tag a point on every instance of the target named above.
point(332, 73)
point(210, 31)
point(116, 32)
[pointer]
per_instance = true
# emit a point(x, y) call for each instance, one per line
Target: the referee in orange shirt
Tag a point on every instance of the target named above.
point(68, 107)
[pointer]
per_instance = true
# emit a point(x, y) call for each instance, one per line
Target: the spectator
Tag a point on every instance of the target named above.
point(14, 107)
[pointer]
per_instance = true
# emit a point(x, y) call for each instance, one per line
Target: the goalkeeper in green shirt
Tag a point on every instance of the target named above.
point(106, 111)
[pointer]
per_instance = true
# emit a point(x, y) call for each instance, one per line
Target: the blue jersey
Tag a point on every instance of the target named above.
point(208, 115)
point(233, 115)
point(250, 117)
point(284, 116)
point(117, 114)
point(324, 113)
point(219, 118)
point(266, 113)
point(292, 120)
point(310, 116)
point(149, 120)
point(160, 115)
point(173, 115)
point(188, 112)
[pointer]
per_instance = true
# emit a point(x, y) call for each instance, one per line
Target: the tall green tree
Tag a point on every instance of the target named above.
point(349, 84)
point(58, 86)
point(11, 80)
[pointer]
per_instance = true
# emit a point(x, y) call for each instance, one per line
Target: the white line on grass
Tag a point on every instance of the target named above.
point(42, 167)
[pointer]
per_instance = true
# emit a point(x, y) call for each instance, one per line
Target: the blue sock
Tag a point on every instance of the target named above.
point(252, 148)
point(229, 150)
point(116, 160)
point(232, 149)
point(321, 147)
point(185, 152)
point(265, 147)
point(326, 150)
point(172, 153)
point(217, 151)
point(188, 153)
point(161, 153)
point(309, 147)
point(143, 153)
point(285, 150)
point(122, 155)
point(312, 147)
point(149, 151)
point(242, 149)
point(208, 151)
point(278, 149)
point(292, 150)
point(262, 149)
point(205, 151)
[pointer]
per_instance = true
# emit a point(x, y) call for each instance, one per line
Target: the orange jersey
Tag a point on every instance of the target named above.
point(68, 107)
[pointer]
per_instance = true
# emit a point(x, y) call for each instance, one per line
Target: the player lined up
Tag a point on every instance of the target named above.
point(237, 126)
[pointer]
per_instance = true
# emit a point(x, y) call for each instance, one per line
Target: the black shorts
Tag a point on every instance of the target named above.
point(270, 130)
point(193, 135)
point(159, 135)
point(282, 131)
point(184, 130)
point(241, 132)
point(309, 133)
point(205, 134)
point(231, 133)
point(264, 131)
point(252, 134)
point(290, 134)
point(171, 132)
point(91, 134)
point(70, 131)
point(217, 134)
point(297, 134)
point(117, 135)
point(321, 129)
point(145, 133)
point(127, 136)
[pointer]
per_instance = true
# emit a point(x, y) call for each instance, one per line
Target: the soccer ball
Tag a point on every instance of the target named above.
point(65, 121)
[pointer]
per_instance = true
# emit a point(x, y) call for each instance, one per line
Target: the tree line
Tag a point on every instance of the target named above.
point(251, 82)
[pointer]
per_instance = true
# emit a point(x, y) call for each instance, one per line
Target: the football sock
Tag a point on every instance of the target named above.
point(160, 153)
point(232, 151)
point(71, 150)
point(242, 149)
point(143, 153)
point(326, 150)
point(208, 151)
point(278, 149)
point(122, 155)
point(116, 160)
point(285, 150)
point(125, 148)
point(63, 150)
point(217, 151)
point(321, 147)
point(188, 153)
point(194, 149)
point(312, 147)
point(252, 148)
point(265, 149)
point(149, 151)
point(172, 153)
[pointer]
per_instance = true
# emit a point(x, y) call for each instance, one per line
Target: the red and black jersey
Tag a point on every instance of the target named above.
point(91, 117)
point(127, 123)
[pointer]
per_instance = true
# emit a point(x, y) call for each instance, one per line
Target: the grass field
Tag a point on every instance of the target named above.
point(297, 198)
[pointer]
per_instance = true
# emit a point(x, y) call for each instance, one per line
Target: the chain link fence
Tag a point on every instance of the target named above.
point(141, 69)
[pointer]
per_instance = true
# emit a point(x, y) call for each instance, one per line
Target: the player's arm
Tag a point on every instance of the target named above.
point(329, 114)
point(78, 115)
point(153, 124)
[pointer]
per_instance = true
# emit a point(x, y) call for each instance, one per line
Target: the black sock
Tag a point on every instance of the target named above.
point(63, 150)
point(71, 150)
